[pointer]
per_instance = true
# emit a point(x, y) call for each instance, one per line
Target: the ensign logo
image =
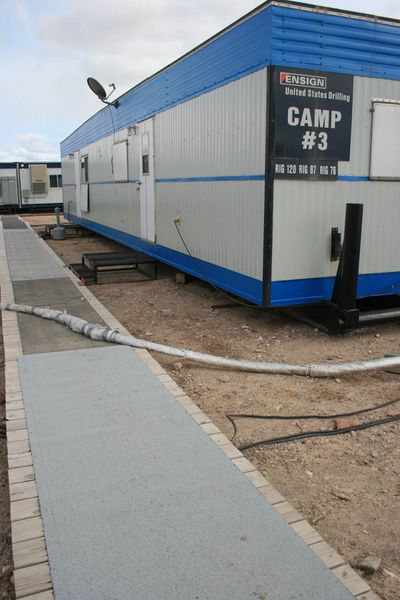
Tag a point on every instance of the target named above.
point(300, 80)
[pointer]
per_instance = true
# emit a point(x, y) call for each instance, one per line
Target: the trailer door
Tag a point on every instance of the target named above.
point(146, 181)
point(8, 191)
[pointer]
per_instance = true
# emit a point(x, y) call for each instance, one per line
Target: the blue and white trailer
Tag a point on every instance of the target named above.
point(252, 144)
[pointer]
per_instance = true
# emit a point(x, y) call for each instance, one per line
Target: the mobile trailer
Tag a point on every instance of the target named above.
point(252, 144)
point(28, 186)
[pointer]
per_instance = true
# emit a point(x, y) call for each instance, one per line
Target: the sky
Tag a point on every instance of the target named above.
point(48, 48)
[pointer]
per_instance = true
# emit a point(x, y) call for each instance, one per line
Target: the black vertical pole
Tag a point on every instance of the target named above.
point(19, 191)
point(345, 289)
point(269, 186)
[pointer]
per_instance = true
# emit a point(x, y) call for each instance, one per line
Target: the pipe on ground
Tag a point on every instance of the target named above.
point(100, 333)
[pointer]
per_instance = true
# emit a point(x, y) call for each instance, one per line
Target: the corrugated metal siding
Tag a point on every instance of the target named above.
point(69, 200)
point(8, 172)
point(115, 205)
point(334, 43)
point(9, 196)
point(100, 158)
point(68, 191)
point(365, 89)
point(112, 204)
point(218, 134)
point(222, 222)
point(54, 195)
point(25, 178)
point(68, 171)
point(305, 212)
point(275, 35)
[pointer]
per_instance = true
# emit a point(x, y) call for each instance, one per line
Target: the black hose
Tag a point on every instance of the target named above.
point(232, 417)
point(310, 434)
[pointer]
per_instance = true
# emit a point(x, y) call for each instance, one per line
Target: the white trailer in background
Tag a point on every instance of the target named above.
point(253, 144)
point(30, 186)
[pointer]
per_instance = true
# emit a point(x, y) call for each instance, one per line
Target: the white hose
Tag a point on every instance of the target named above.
point(98, 332)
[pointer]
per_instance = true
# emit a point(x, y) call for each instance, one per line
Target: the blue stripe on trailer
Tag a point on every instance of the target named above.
point(215, 178)
point(353, 178)
point(184, 179)
point(319, 289)
point(245, 178)
point(236, 283)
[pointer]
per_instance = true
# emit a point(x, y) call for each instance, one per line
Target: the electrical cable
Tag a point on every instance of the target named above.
point(217, 289)
point(309, 434)
point(232, 417)
point(112, 120)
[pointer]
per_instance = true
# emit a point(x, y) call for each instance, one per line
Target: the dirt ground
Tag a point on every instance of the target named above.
point(42, 219)
point(348, 486)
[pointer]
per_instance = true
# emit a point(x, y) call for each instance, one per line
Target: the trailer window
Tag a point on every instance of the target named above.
point(385, 144)
point(145, 164)
point(145, 154)
point(84, 169)
point(55, 181)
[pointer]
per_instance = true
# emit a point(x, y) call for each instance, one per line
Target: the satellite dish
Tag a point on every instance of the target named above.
point(100, 92)
point(97, 88)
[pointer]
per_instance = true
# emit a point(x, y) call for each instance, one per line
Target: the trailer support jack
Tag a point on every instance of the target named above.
point(343, 313)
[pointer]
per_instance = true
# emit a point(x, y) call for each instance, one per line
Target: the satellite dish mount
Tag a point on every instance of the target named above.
point(100, 92)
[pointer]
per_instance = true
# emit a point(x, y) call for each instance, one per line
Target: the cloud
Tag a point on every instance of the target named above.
point(392, 8)
point(22, 12)
point(61, 43)
point(128, 41)
point(31, 146)
point(120, 41)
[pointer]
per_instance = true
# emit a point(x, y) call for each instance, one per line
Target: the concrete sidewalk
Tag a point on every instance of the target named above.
point(133, 493)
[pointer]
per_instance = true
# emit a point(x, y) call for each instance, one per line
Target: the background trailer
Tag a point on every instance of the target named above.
point(252, 144)
point(26, 186)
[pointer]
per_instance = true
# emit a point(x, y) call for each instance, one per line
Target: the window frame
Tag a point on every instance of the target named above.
point(57, 178)
point(84, 168)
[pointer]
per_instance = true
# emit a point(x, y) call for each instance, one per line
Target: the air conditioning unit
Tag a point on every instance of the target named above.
point(38, 179)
